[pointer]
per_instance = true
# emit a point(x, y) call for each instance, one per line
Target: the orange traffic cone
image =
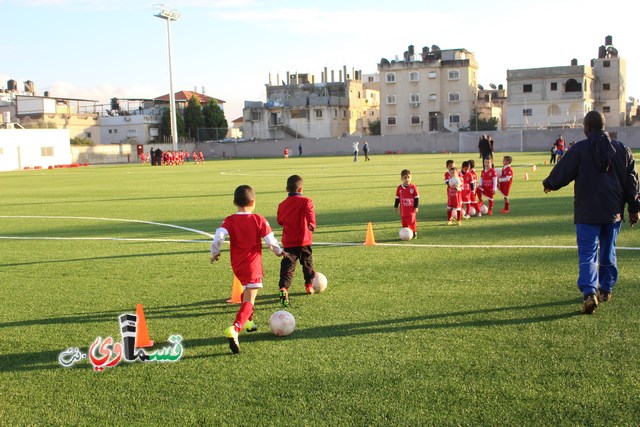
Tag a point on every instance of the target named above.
point(533, 168)
point(142, 333)
point(369, 240)
point(545, 162)
point(236, 291)
point(526, 176)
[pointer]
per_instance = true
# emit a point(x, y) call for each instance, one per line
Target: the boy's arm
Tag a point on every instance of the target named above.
point(495, 183)
point(218, 239)
point(310, 215)
point(272, 242)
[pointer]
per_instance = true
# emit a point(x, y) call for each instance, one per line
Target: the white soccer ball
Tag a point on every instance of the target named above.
point(472, 211)
point(406, 233)
point(319, 282)
point(282, 323)
point(484, 209)
point(454, 182)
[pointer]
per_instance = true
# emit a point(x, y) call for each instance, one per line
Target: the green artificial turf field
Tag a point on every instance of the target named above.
point(471, 325)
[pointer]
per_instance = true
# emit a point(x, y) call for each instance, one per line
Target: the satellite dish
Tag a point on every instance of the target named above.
point(480, 87)
point(632, 99)
point(492, 86)
point(384, 61)
point(612, 51)
point(434, 48)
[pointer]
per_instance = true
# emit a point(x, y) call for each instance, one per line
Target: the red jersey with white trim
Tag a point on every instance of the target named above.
point(505, 179)
point(447, 177)
point(475, 184)
point(488, 181)
point(246, 231)
point(296, 215)
point(467, 179)
point(406, 196)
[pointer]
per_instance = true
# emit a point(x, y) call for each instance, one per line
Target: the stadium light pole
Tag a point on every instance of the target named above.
point(163, 12)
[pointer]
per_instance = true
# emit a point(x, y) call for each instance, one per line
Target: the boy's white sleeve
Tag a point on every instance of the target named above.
point(218, 239)
point(272, 242)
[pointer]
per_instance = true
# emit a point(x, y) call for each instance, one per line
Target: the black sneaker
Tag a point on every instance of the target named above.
point(415, 235)
point(589, 304)
point(284, 297)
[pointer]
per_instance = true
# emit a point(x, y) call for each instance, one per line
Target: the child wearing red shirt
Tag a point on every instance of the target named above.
point(454, 197)
point(504, 181)
point(488, 184)
point(407, 198)
point(245, 230)
point(473, 199)
point(467, 181)
point(298, 220)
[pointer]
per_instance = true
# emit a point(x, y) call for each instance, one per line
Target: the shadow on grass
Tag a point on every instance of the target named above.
point(45, 360)
point(143, 255)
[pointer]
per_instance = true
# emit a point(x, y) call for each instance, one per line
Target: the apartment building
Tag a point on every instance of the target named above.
point(299, 107)
point(435, 90)
point(557, 97)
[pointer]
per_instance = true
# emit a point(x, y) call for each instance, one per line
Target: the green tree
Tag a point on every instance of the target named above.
point(479, 124)
point(374, 127)
point(193, 116)
point(165, 125)
point(214, 118)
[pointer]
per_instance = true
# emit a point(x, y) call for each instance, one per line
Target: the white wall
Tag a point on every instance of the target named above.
point(20, 148)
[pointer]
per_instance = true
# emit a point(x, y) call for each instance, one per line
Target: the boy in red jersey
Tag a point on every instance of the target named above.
point(473, 199)
point(407, 198)
point(450, 164)
point(454, 197)
point(488, 183)
point(467, 180)
point(504, 181)
point(298, 220)
point(245, 230)
point(286, 152)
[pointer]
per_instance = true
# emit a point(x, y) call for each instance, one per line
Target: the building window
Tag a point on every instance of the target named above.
point(46, 151)
point(454, 75)
point(318, 113)
point(606, 64)
point(414, 99)
point(527, 88)
point(255, 116)
point(433, 97)
point(335, 113)
point(572, 85)
point(344, 114)
point(132, 133)
point(415, 120)
point(527, 112)
point(606, 109)
point(110, 130)
point(606, 86)
point(390, 77)
point(432, 74)
point(454, 119)
point(414, 76)
point(87, 135)
point(454, 96)
point(554, 86)
point(391, 121)
point(299, 114)
point(391, 99)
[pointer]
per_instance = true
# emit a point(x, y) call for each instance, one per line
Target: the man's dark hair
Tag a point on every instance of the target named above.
point(594, 120)
point(294, 183)
point(243, 196)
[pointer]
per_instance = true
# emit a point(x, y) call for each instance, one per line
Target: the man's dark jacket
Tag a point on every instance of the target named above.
point(605, 179)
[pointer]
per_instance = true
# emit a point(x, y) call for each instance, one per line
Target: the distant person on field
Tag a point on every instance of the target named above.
point(605, 177)
point(554, 154)
point(297, 217)
point(355, 151)
point(365, 150)
point(407, 198)
point(286, 152)
point(300, 150)
point(505, 179)
point(484, 147)
point(246, 230)
point(473, 198)
point(559, 144)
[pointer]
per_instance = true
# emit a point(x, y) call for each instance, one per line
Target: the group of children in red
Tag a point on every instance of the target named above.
point(245, 229)
point(465, 191)
point(172, 158)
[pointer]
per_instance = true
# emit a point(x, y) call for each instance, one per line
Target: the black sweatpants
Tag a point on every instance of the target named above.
point(304, 255)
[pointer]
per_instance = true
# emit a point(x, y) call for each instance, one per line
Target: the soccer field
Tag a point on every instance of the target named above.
point(471, 325)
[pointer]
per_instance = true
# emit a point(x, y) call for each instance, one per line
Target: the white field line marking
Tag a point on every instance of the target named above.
point(413, 245)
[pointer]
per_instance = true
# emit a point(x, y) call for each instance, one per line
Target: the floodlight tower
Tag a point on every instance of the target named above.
point(168, 14)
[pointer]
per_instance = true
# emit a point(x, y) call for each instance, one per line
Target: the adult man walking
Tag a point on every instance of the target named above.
point(605, 180)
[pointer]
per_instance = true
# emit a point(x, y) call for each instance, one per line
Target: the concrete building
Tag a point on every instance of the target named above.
point(299, 107)
point(558, 97)
point(492, 103)
point(435, 90)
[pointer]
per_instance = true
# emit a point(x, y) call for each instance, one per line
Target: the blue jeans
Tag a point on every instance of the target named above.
point(594, 270)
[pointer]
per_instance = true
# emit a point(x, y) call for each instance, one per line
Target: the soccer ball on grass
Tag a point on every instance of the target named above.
point(472, 211)
point(406, 233)
point(319, 282)
point(484, 209)
point(282, 323)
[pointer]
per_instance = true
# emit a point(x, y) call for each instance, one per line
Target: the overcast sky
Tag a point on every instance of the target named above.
point(115, 48)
